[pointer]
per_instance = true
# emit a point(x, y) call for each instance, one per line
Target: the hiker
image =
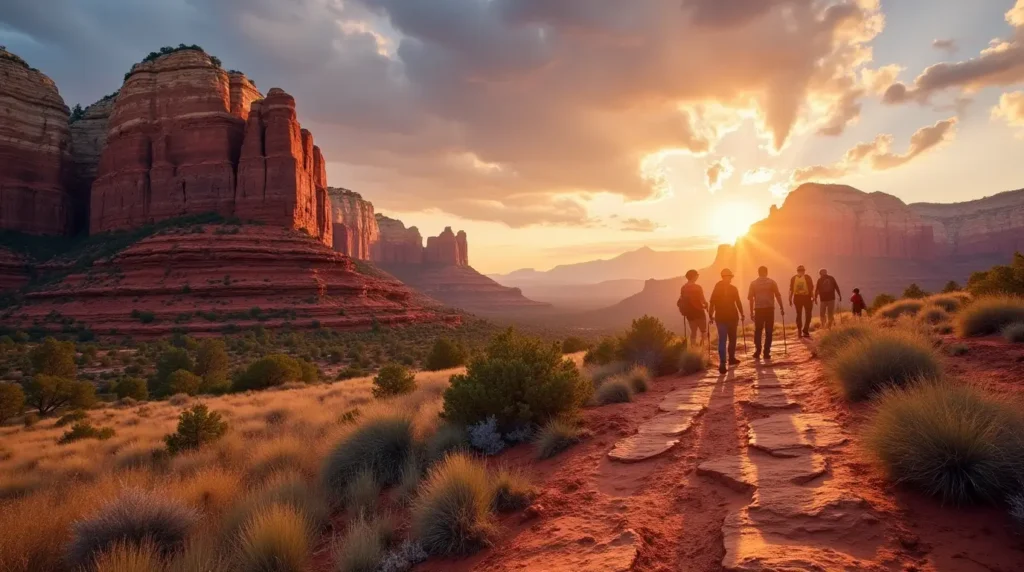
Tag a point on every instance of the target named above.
point(825, 291)
point(857, 303)
point(692, 305)
point(801, 294)
point(762, 295)
point(725, 309)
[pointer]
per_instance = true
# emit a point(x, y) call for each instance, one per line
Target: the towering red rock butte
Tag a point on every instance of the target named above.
point(35, 151)
point(180, 130)
point(397, 244)
point(88, 138)
point(355, 226)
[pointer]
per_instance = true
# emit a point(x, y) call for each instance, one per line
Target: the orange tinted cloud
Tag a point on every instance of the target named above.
point(717, 173)
point(1010, 108)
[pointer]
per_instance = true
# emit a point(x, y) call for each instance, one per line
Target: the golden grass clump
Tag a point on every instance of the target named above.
point(639, 378)
point(951, 302)
point(556, 436)
point(380, 444)
point(949, 440)
point(276, 538)
point(512, 489)
point(129, 557)
point(886, 358)
point(933, 314)
point(361, 548)
point(987, 316)
point(905, 307)
point(693, 360)
point(830, 342)
point(614, 390)
point(452, 515)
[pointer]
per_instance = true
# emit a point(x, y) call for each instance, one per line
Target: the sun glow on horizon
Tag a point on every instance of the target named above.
point(732, 220)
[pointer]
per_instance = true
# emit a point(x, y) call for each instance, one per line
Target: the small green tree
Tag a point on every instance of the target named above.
point(603, 353)
point(170, 361)
point(914, 292)
point(184, 381)
point(649, 343)
point(574, 344)
point(54, 358)
point(271, 371)
point(393, 379)
point(212, 363)
point(48, 393)
point(445, 354)
point(196, 427)
point(310, 373)
point(133, 387)
point(951, 286)
point(12, 401)
point(882, 300)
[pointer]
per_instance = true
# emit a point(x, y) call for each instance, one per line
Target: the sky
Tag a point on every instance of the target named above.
point(557, 131)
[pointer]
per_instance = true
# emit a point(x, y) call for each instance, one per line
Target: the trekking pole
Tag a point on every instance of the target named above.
point(785, 343)
point(686, 332)
point(745, 352)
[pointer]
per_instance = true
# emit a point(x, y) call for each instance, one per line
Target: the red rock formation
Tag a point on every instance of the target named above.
point(88, 138)
point(211, 281)
point(463, 245)
point(465, 288)
point(13, 270)
point(443, 249)
point(397, 244)
point(355, 226)
point(35, 151)
point(985, 226)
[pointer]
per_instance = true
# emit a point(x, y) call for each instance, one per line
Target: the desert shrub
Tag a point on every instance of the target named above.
point(212, 363)
point(614, 390)
point(933, 315)
point(310, 373)
point(556, 436)
point(54, 358)
point(949, 440)
point(85, 430)
point(948, 301)
point(71, 417)
point(1014, 333)
point(999, 280)
point(650, 344)
point(574, 344)
point(452, 515)
point(184, 381)
point(639, 378)
point(197, 426)
point(881, 301)
point(989, 316)
point(379, 444)
point(599, 373)
point(447, 439)
point(12, 401)
point(172, 360)
point(132, 387)
point(288, 488)
point(692, 360)
point(445, 354)
point(270, 371)
point(48, 393)
point(276, 538)
point(128, 557)
point(958, 349)
point(512, 489)
point(914, 292)
point(361, 548)
point(136, 518)
point(179, 399)
point(832, 341)
point(951, 286)
point(887, 358)
point(605, 352)
point(485, 437)
point(899, 308)
point(520, 381)
point(393, 379)
point(361, 493)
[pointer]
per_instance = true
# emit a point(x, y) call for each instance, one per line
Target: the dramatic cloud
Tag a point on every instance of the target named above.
point(947, 45)
point(461, 105)
point(1010, 108)
point(758, 176)
point(877, 155)
point(718, 173)
point(1001, 64)
point(640, 225)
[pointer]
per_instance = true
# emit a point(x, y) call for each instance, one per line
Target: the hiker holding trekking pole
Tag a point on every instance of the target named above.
point(692, 305)
point(725, 309)
point(762, 295)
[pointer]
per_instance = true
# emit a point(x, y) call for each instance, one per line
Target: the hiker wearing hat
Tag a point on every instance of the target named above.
point(725, 309)
point(826, 291)
point(762, 295)
point(801, 294)
point(692, 305)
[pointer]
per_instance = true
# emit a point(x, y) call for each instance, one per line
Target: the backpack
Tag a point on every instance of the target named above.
point(827, 287)
point(689, 302)
point(800, 285)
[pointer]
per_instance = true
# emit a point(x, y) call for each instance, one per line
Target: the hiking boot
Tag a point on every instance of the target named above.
point(757, 355)
point(767, 357)
point(734, 361)
point(807, 334)
point(722, 368)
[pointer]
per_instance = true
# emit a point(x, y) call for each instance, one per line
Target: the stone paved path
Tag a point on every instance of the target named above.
point(799, 515)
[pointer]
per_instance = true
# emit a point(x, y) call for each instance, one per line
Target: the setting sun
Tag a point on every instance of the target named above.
point(732, 220)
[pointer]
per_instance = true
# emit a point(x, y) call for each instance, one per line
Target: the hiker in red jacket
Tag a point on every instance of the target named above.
point(692, 305)
point(857, 303)
point(801, 294)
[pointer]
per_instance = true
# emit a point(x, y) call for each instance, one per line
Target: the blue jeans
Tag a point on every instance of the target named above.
point(726, 330)
point(764, 324)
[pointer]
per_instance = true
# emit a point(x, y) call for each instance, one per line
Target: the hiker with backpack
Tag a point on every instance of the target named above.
point(725, 309)
point(762, 295)
point(825, 291)
point(857, 303)
point(692, 305)
point(801, 295)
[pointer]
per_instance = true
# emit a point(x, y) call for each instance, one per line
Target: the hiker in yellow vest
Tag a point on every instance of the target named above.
point(801, 294)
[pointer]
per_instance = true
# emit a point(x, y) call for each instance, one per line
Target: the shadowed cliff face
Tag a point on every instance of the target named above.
point(355, 226)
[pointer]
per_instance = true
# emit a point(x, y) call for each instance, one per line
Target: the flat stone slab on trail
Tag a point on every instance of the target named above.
point(786, 435)
point(756, 470)
point(641, 447)
point(771, 398)
point(688, 399)
point(671, 424)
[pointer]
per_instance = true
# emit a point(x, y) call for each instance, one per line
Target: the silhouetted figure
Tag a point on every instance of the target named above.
point(725, 310)
point(857, 303)
point(801, 295)
point(826, 291)
point(692, 305)
point(762, 295)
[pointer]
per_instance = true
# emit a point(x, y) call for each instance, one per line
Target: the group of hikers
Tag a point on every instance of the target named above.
point(725, 308)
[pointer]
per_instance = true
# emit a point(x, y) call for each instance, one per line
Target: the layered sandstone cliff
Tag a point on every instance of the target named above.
point(985, 226)
point(355, 226)
point(186, 137)
point(396, 244)
point(13, 270)
point(35, 151)
point(88, 138)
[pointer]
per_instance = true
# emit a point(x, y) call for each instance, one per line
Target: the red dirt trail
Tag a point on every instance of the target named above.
point(782, 484)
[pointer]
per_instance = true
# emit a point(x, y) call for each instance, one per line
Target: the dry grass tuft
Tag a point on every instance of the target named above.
point(830, 342)
point(614, 390)
point(380, 443)
point(887, 358)
point(905, 307)
point(951, 302)
point(452, 515)
point(512, 489)
point(987, 316)
point(128, 557)
point(556, 436)
point(362, 547)
point(277, 538)
point(639, 378)
point(933, 314)
point(1014, 333)
point(692, 361)
point(362, 492)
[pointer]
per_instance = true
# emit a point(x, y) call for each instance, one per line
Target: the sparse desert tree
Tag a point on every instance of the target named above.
point(605, 352)
point(309, 373)
point(270, 371)
point(172, 360)
point(212, 363)
point(951, 286)
point(196, 427)
point(47, 393)
point(12, 401)
point(881, 301)
point(445, 354)
point(914, 292)
point(999, 280)
point(133, 387)
point(393, 379)
point(53, 358)
point(184, 382)
point(574, 344)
